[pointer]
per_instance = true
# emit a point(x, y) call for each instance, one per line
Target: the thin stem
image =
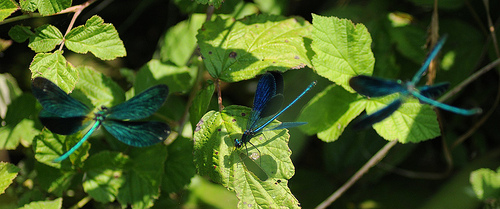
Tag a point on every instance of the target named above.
point(372, 162)
point(30, 15)
point(476, 126)
point(219, 94)
point(466, 82)
point(81, 203)
point(78, 10)
point(210, 12)
point(491, 27)
point(21, 17)
point(434, 35)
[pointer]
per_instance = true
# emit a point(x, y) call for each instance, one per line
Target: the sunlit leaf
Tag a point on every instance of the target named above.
point(48, 204)
point(46, 38)
point(412, 122)
point(486, 183)
point(49, 146)
point(235, 50)
point(98, 88)
point(54, 67)
point(104, 175)
point(142, 176)
point(6, 9)
point(342, 49)
point(330, 111)
point(155, 72)
point(216, 157)
point(100, 38)
point(52, 7)
point(179, 42)
point(7, 173)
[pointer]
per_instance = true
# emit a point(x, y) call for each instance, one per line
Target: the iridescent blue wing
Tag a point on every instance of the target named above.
point(280, 84)
point(140, 106)
point(375, 87)
point(63, 126)
point(137, 133)
point(434, 90)
point(378, 116)
point(266, 90)
point(274, 104)
point(427, 62)
point(54, 100)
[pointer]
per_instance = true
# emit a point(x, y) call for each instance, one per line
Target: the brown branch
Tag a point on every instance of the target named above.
point(363, 170)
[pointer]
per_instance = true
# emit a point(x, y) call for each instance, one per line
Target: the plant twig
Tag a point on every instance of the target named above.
point(64, 11)
point(77, 10)
point(466, 82)
point(81, 203)
point(219, 94)
point(372, 162)
point(476, 126)
point(491, 27)
point(434, 35)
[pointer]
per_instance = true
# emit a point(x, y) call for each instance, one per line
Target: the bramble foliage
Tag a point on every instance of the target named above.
point(208, 56)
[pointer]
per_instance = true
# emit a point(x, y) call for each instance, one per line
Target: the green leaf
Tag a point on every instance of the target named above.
point(22, 107)
point(49, 146)
point(215, 156)
point(486, 183)
point(215, 3)
point(52, 7)
point(97, 37)
point(10, 91)
point(104, 175)
point(328, 122)
point(54, 180)
point(179, 167)
point(235, 50)
point(28, 5)
point(212, 194)
point(54, 67)
point(46, 38)
point(8, 172)
point(48, 204)
point(412, 122)
point(97, 88)
point(155, 72)
point(20, 33)
point(276, 7)
point(180, 40)
point(143, 176)
point(201, 103)
point(342, 49)
point(18, 125)
point(23, 132)
point(6, 9)
point(409, 41)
